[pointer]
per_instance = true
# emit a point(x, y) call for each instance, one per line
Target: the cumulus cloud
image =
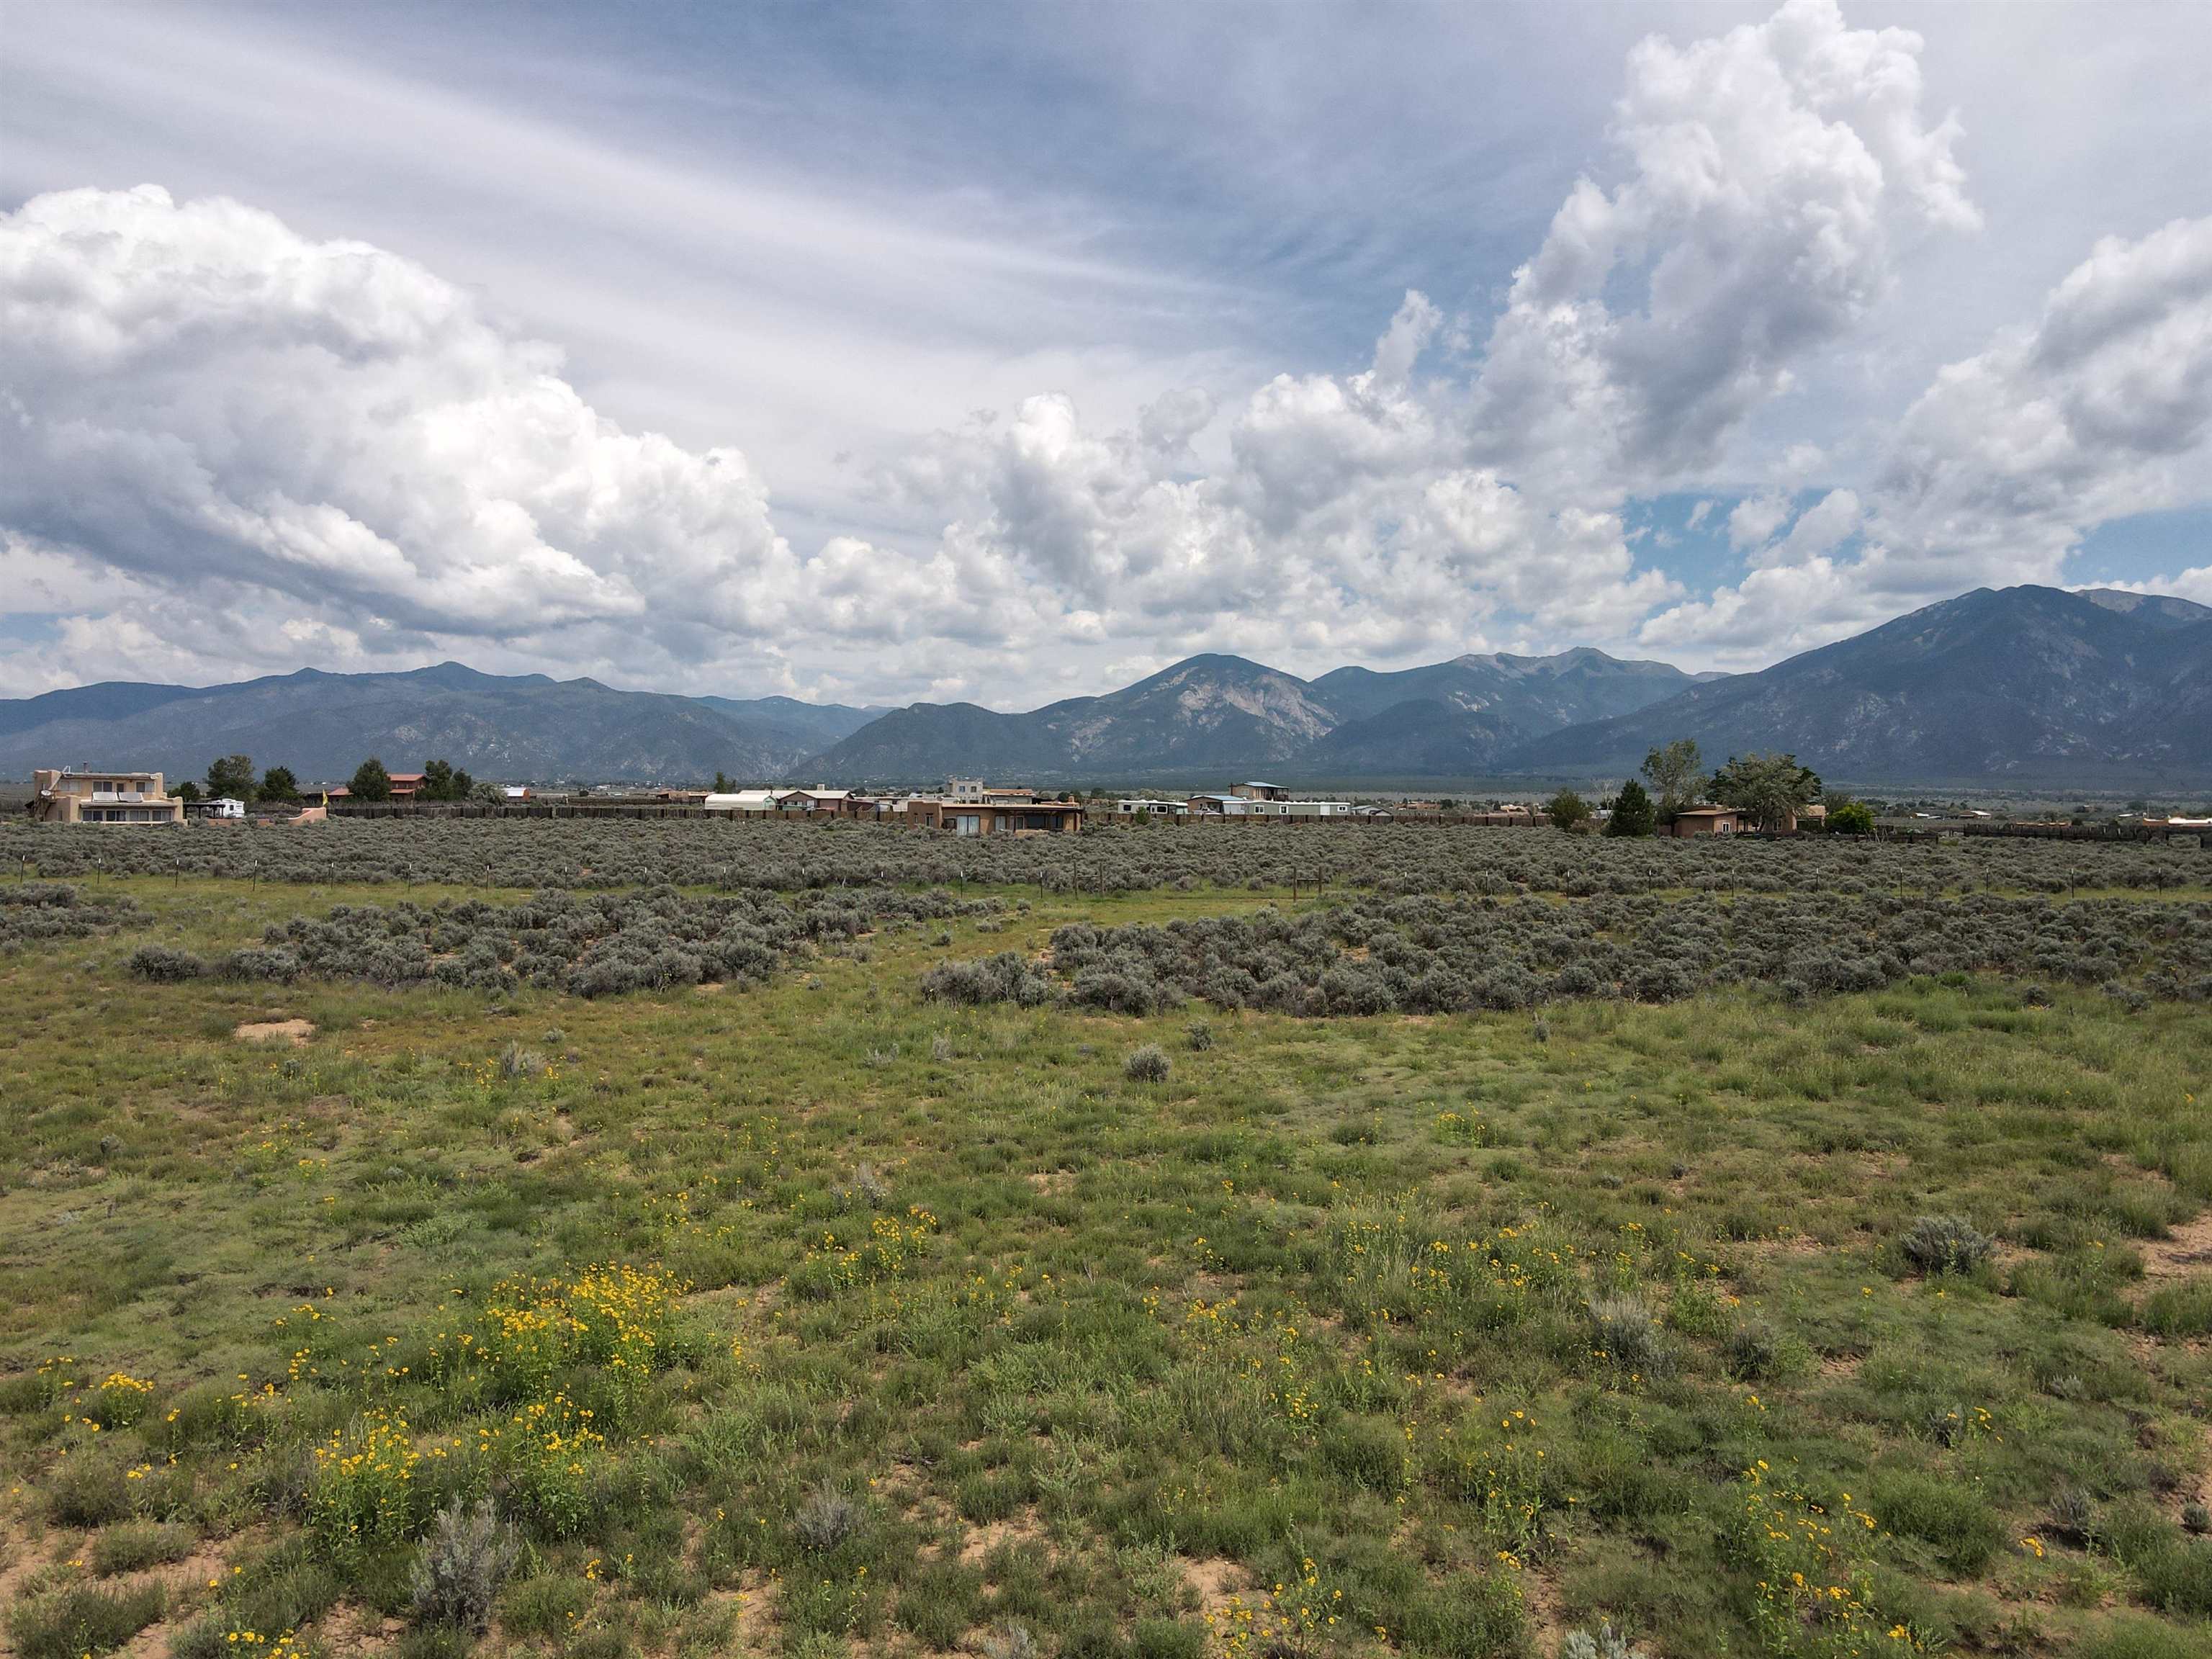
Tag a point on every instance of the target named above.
point(235, 445)
point(2099, 409)
point(1771, 173)
point(201, 394)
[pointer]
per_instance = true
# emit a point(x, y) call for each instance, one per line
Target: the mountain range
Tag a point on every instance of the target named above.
point(2025, 686)
point(321, 726)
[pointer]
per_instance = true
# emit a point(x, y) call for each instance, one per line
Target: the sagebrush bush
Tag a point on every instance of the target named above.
point(825, 1518)
point(1149, 1064)
point(1603, 1642)
point(1946, 1244)
point(461, 1567)
point(165, 965)
point(517, 1062)
point(1624, 1329)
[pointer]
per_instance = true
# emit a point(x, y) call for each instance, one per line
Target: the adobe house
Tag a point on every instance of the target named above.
point(1706, 821)
point(59, 795)
point(988, 817)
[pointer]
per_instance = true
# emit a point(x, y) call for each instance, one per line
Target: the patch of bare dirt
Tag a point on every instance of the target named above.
point(1214, 1581)
point(293, 1031)
point(2188, 1250)
point(355, 1630)
point(17, 1564)
point(189, 1583)
point(1547, 1612)
point(1051, 1181)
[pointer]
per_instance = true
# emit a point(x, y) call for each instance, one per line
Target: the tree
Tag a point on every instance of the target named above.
point(187, 791)
point(1567, 810)
point(724, 785)
point(370, 781)
point(1633, 811)
point(232, 775)
point(441, 780)
point(1673, 771)
point(1850, 818)
point(1769, 787)
point(277, 783)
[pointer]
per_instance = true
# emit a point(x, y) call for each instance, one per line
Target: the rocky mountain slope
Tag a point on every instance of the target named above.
point(2032, 685)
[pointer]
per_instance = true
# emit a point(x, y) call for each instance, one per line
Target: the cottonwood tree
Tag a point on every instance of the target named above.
point(1769, 787)
point(277, 783)
point(1850, 818)
point(1673, 772)
point(1567, 810)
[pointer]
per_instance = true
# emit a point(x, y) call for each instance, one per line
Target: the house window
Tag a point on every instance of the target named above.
point(967, 824)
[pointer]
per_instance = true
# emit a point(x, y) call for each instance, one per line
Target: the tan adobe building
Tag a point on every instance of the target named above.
point(985, 817)
point(1706, 821)
point(62, 796)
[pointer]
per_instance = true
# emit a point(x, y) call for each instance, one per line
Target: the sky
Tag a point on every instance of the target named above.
point(1002, 352)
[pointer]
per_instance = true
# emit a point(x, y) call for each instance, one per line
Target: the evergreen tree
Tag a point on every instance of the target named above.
point(1633, 811)
point(232, 775)
point(277, 783)
point(370, 781)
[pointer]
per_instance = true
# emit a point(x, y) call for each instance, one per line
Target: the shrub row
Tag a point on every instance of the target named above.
point(587, 854)
point(1380, 955)
point(36, 912)
point(599, 945)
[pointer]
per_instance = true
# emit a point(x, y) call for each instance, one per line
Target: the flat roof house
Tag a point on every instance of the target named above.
point(1259, 792)
point(982, 817)
point(744, 803)
point(59, 795)
point(1707, 821)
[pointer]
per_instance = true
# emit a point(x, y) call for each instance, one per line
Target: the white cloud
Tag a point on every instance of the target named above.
point(206, 395)
point(2099, 409)
point(1772, 173)
point(236, 445)
point(1755, 518)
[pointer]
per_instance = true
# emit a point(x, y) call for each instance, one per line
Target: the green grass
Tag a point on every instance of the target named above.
point(1443, 1328)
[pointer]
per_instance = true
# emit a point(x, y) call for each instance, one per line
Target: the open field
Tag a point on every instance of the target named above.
point(780, 1307)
